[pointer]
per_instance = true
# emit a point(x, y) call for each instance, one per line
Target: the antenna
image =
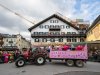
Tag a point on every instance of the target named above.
point(16, 13)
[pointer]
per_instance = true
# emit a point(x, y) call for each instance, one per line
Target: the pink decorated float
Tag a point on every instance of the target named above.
point(72, 56)
point(77, 54)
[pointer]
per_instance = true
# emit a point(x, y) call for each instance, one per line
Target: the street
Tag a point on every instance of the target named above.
point(53, 68)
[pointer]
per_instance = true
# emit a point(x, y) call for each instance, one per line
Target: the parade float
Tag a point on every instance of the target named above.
point(73, 54)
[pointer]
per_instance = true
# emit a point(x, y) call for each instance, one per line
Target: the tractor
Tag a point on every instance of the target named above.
point(36, 55)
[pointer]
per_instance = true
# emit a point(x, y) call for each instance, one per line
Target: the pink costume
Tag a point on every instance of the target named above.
point(79, 47)
point(6, 57)
point(65, 47)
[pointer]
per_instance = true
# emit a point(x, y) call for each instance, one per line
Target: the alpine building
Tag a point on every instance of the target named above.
point(56, 30)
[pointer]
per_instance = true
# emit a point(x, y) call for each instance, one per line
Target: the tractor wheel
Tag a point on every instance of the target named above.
point(20, 62)
point(69, 62)
point(79, 63)
point(40, 60)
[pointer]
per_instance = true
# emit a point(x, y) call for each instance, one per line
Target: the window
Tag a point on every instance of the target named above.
point(57, 33)
point(73, 32)
point(68, 32)
point(52, 33)
point(81, 39)
point(62, 26)
point(11, 40)
point(36, 33)
point(56, 21)
point(52, 40)
point(67, 27)
point(68, 39)
point(60, 39)
point(53, 21)
point(81, 32)
point(41, 26)
point(40, 33)
point(51, 26)
point(46, 33)
point(73, 39)
point(57, 26)
point(36, 40)
point(44, 40)
point(62, 33)
point(7, 40)
point(46, 26)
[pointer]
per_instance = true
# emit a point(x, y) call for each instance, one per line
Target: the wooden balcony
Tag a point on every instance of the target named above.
point(58, 35)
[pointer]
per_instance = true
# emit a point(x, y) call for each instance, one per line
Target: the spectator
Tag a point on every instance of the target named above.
point(98, 56)
point(11, 57)
point(16, 54)
point(48, 49)
point(26, 53)
point(1, 57)
point(52, 47)
point(90, 56)
point(6, 55)
point(94, 56)
point(65, 47)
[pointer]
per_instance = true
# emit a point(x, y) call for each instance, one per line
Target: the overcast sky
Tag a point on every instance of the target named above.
point(36, 10)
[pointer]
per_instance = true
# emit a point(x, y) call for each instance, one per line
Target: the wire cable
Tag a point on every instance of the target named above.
point(16, 13)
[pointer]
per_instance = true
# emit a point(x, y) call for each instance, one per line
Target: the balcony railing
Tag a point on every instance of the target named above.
point(60, 35)
point(10, 41)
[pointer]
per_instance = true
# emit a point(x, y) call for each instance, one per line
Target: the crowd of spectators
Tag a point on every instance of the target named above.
point(11, 56)
point(65, 47)
point(94, 55)
point(8, 56)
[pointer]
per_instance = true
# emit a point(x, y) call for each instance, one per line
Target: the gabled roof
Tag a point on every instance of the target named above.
point(94, 23)
point(56, 16)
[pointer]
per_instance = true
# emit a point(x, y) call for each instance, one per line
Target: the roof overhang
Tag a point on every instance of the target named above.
point(56, 16)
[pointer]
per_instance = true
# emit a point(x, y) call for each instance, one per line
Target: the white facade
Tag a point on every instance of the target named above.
point(22, 42)
point(71, 29)
point(9, 42)
point(50, 26)
point(16, 41)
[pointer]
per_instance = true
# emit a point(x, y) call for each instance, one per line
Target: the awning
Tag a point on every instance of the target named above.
point(9, 48)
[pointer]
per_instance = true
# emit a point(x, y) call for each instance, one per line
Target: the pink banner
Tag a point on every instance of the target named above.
point(70, 54)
